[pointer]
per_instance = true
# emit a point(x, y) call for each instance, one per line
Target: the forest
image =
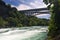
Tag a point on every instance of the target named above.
point(11, 17)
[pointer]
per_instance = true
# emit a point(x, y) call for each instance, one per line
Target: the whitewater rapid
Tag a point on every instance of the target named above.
point(24, 33)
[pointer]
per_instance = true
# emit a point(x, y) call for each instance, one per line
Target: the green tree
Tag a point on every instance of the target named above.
point(54, 27)
point(11, 17)
point(3, 23)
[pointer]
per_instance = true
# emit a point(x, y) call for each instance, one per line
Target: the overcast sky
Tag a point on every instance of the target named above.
point(28, 4)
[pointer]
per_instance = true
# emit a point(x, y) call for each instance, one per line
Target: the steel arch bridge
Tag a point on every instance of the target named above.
point(34, 12)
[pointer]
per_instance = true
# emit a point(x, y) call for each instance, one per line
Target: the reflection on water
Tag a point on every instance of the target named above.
point(24, 33)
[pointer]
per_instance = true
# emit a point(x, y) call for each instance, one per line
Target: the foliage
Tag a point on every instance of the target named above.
point(11, 17)
point(54, 27)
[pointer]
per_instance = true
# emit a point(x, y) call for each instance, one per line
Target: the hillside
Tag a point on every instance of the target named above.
point(10, 17)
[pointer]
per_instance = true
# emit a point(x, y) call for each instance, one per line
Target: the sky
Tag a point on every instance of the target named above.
point(47, 16)
point(28, 4)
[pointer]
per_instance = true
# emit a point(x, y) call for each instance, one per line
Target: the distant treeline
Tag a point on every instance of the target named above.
point(10, 17)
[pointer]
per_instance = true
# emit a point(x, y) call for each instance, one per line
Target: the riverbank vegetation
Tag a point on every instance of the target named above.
point(54, 27)
point(11, 17)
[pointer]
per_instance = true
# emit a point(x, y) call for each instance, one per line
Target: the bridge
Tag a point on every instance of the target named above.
point(38, 11)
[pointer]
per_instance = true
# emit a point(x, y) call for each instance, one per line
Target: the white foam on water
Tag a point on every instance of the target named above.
point(19, 34)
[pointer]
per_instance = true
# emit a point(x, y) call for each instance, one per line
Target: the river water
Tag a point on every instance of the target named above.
point(24, 33)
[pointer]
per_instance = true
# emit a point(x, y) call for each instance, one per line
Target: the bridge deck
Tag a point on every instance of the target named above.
point(35, 11)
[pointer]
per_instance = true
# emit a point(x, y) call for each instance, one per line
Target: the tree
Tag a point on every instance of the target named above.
point(2, 22)
point(2, 3)
point(54, 27)
point(11, 17)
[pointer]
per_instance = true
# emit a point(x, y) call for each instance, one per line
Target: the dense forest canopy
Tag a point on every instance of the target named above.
point(10, 17)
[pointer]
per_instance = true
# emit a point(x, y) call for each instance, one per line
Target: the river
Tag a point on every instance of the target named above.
point(24, 33)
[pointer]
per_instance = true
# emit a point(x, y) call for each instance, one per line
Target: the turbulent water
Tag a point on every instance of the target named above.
point(24, 33)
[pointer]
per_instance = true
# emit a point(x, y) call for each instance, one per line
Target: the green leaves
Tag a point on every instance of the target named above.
point(3, 23)
point(46, 1)
point(54, 26)
point(11, 17)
